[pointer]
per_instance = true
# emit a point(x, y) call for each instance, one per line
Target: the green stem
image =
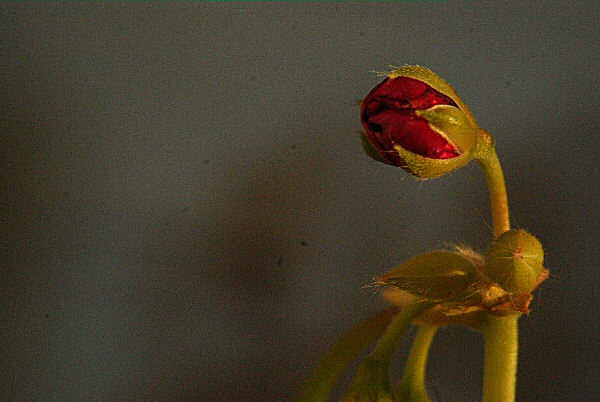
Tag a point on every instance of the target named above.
point(372, 381)
point(341, 355)
point(412, 386)
point(501, 346)
point(488, 159)
point(500, 332)
point(389, 341)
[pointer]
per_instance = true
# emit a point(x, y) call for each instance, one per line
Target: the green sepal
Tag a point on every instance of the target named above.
point(427, 168)
point(371, 150)
point(437, 83)
point(452, 124)
point(342, 353)
point(441, 276)
point(515, 261)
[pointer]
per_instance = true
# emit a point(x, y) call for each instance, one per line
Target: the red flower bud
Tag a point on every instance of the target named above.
point(389, 116)
point(415, 120)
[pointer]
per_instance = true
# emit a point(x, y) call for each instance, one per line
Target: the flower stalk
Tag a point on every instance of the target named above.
point(488, 160)
point(500, 332)
point(341, 354)
point(412, 386)
point(372, 382)
point(501, 347)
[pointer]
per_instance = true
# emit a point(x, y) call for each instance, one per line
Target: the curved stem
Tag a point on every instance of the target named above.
point(372, 381)
point(389, 341)
point(501, 347)
point(412, 386)
point(342, 353)
point(501, 333)
point(488, 159)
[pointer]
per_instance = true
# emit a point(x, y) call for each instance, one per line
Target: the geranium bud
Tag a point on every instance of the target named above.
point(515, 262)
point(415, 120)
point(437, 276)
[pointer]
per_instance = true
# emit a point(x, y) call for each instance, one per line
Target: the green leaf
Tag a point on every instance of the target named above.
point(437, 276)
point(342, 353)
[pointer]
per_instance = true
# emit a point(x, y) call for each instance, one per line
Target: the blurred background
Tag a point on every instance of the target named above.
point(187, 213)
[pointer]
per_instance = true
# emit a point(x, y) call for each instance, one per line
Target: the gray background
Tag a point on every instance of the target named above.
point(187, 213)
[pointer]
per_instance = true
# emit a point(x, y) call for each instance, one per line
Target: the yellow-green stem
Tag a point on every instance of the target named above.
point(488, 159)
point(412, 387)
point(389, 341)
point(372, 382)
point(500, 332)
point(501, 346)
point(341, 354)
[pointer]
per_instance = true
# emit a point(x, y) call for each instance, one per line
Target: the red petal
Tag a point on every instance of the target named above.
point(411, 132)
point(388, 115)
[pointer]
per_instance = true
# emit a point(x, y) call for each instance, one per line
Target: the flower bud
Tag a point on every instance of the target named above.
point(515, 262)
point(415, 120)
point(437, 276)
